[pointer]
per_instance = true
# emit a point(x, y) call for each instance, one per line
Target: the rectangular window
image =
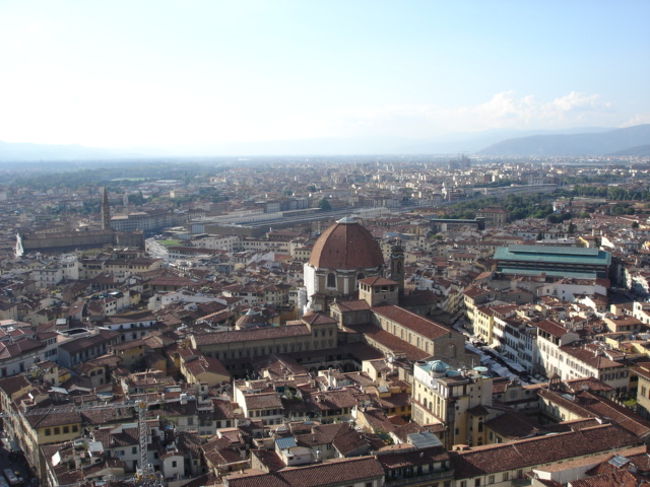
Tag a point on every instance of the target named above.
point(66, 429)
point(48, 432)
point(57, 431)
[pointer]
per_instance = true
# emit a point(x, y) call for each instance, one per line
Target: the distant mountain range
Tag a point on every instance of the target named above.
point(630, 141)
point(18, 152)
point(596, 141)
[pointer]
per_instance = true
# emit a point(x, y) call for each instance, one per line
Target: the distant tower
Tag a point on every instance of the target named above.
point(125, 201)
point(397, 265)
point(105, 210)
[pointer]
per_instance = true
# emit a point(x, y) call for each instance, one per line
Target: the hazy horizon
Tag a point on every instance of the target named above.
point(168, 76)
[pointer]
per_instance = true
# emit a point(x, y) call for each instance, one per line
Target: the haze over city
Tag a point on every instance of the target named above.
point(208, 77)
point(301, 243)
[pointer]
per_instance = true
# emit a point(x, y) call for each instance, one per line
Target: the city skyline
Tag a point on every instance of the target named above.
point(165, 76)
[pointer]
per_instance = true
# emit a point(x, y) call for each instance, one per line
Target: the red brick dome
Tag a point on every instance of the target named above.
point(346, 245)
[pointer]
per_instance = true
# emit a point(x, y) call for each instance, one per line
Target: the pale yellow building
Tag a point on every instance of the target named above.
point(455, 399)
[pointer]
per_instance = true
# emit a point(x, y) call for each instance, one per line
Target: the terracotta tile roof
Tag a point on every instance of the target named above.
point(540, 450)
point(378, 281)
point(346, 246)
point(552, 328)
point(58, 419)
point(512, 425)
point(350, 442)
point(11, 385)
point(269, 459)
point(319, 434)
point(80, 344)
point(397, 345)
point(252, 335)
point(335, 472)
point(396, 400)
point(590, 358)
point(19, 347)
point(622, 416)
point(423, 326)
point(264, 400)
point(474, 292)
point(356, 305)
point(615, 478)
point(333, 400)
point(642, 369)
point(318, 319)
point(204, 364)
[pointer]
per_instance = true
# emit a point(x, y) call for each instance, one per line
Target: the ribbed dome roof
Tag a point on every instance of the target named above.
point(346, 245)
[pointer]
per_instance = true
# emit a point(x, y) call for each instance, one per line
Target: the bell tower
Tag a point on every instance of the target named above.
point(396, 271)
point(105, 210)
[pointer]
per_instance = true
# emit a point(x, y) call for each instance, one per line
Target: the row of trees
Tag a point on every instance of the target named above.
point(540, 206)
point(616, 193)
point(519, 206)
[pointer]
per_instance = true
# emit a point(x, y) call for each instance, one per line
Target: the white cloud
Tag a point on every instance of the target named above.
point(578, 101)
point(638, 119)
point(114, 112)
point(503, 110)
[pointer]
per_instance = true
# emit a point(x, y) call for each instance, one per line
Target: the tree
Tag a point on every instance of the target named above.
point(324, 205)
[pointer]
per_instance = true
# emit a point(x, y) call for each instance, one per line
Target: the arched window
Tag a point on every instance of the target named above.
point(331, 280)
point(360, 276)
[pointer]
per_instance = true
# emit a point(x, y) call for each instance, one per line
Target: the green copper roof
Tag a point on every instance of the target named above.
point(557, 255)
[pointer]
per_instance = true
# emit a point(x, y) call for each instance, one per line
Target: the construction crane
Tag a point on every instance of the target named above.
point(145, 475)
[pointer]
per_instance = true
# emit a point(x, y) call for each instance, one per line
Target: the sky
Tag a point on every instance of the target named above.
point(194, 73)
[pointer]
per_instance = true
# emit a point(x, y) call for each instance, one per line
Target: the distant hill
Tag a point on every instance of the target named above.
point(23, 152)
point(584, 144)
point(638, 151)
point(577, 141)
